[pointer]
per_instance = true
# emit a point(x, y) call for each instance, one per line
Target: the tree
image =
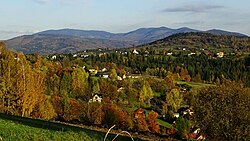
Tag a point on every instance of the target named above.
point(66, 85)
point(94, 81)
point(174, 99)
point(113, 74)
point(7, 79)
point(115, 116)
point(108, 89)
point(146, 93)
point(222, 111)
point(183, 127)
point(153, 126)
point(79, 82)
point(169, 79)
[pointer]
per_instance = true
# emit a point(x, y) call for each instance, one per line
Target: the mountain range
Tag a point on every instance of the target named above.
point(74, 40)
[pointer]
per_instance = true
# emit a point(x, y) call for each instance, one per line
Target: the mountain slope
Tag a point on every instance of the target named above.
point(79, 33)
point(50, 44)
point(222, 32)
point(201, 40)
point(73, 40)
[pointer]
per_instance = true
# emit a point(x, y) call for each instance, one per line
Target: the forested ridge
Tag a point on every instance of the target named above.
point(144, 89)
point(204, 41)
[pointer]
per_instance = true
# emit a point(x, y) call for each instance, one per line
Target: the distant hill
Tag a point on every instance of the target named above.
point(139, 36)
point(50, 44)
point(73, 40)
point(222, 32)
point(202, 40)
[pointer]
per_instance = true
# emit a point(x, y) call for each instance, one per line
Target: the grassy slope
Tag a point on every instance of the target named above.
point(14, 128)
point(194, 84)
point(14, 131)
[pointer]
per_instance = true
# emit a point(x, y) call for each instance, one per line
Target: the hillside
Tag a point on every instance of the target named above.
point(16, 128)
point(204, 41)
point(49, 44)
point(73, 40)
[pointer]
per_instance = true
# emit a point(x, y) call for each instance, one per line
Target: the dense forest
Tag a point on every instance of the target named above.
point(204, 41)
point(144, 90)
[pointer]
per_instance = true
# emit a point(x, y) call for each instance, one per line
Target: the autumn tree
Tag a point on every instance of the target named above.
point(113, 74)
point(7, 79)
point(140, 123)
point(174, 99)
point(222, 111)
point(115, 116)
point(93, 113)
point(29, 85)
point(153, 126)
point(169, 80)
point(108, 89)
point(145, 93)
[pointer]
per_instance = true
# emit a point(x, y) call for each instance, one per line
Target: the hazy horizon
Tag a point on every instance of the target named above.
point(22, 17)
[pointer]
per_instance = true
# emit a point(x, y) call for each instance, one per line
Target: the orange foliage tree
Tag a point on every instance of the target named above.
point(153, 126)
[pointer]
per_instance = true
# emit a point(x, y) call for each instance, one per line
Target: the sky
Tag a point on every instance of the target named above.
point(19, 17)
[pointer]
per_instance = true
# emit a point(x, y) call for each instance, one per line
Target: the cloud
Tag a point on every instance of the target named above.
point(195, 8)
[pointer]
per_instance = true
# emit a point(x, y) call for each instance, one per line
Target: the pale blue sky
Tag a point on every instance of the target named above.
point(20, 17)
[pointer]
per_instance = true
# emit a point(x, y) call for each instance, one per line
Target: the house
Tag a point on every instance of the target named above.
point(208, 53)
point(96, 98)
point(135, 51)
point(104, 69)
point(93, 71)
point(120, 89)
point(185, 111)
point(134, 76)
point(124, 76)
point(196, 134)
point(190, 54)
point(176, 115)
point(53, 57)
point(105, 75)
point(119, 78)
point(101, 54)
point(84, 56)
point(220, 54)
point(170, 53)
point(238, 53)
point(139, 113)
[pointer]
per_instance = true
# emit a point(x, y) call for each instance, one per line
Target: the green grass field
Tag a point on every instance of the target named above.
point(14, 128)
point(13, 131)
point(194, 84)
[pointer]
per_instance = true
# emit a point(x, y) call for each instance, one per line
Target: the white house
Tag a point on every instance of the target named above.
point(220, 54)
point(192, 53)
point(105, 76)
point(124, 76)
point(53, 57)
point(96, 98)
point(135, 51)
point(170, 53)
point(119, 78)
point(104, 69)
point(93, 71)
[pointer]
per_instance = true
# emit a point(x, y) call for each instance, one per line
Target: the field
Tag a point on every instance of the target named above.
point(14, 128)
point(194, 84)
